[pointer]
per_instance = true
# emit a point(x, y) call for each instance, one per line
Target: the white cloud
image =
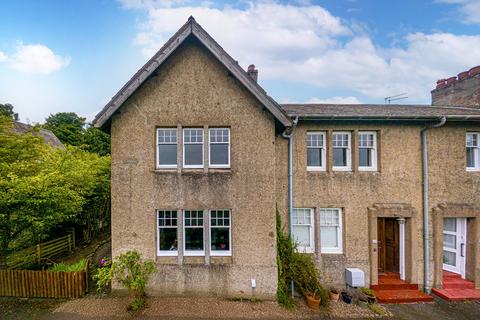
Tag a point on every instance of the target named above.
point(335, 100)
point(37, 58)
point(307, 44)
point(3, 57)
point(469, 10)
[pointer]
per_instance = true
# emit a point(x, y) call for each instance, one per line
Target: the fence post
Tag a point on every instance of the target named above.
point(73, 237)
point(69, 238)
point(38, 253)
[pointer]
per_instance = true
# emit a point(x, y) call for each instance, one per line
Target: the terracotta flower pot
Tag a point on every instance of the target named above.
point(312, 301)
point(334, 296)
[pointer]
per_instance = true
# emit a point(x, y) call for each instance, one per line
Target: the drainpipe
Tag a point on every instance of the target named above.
point(426, 227)
point(288, 134)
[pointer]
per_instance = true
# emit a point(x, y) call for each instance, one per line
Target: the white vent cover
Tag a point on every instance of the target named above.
point(355, 277)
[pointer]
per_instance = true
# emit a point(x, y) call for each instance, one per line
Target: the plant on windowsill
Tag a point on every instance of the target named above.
point(131, 273)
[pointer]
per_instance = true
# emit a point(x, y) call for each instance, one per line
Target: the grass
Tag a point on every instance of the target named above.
point(75, 267)
point(378, 309)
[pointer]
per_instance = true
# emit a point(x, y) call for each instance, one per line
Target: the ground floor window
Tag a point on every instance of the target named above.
point(167, 233)
point(302, 227)
point(220, 233)
point(331, 230)
point(193, 233)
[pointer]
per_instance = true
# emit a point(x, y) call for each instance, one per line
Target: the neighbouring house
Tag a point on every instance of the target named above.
point(46, 135)
point(202, 157)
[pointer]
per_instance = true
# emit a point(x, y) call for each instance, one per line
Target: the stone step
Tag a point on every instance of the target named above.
point(402, 296)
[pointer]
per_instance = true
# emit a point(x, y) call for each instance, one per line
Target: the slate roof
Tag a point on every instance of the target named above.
point(190, 28)
point(379, 112)
point(45, 134)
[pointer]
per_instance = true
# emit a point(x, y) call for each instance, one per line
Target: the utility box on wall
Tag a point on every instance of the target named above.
point(355, 277)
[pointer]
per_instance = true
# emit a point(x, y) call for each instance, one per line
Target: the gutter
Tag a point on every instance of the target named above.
point(288, 134)
point(426, 227)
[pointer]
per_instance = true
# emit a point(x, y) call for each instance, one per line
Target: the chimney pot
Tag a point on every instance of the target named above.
point(451, 80)
point(463, 75)
point(474, 71)
point(252, 72)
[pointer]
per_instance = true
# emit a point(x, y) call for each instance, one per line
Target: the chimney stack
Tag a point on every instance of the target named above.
point(252, 72)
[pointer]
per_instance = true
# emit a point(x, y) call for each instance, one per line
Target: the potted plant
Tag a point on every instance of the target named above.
point(370, 295)
point(312, 295)
point(334, 295)
point(347, 298)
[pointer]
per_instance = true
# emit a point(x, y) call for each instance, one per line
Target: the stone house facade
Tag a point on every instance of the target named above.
point(202, 156)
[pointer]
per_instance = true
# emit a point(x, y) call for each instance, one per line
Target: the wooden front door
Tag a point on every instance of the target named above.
point(388, 245)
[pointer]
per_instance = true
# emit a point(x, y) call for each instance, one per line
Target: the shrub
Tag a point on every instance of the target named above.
point(75, 267)
point(297, 267)
point(130, 272)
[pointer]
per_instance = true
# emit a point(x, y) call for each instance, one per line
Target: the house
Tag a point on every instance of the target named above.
point(46, 135)
point(202, 157)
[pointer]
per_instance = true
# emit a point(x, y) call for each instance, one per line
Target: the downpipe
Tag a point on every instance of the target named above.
point(426, 219)
point(288, 134)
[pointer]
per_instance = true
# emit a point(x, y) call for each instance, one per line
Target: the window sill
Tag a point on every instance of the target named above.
point(187, 171)
point(217, 260)
point(315, 169)
point(473, 169)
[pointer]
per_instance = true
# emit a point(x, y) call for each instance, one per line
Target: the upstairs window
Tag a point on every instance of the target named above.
point(193, 233)
point(367, 151)
point(193, 148)
point(331, 230)
point(167, 233)
point(167, 148)
point(316, 151)
point(302, 227)
point(219, 147)
point(341, 151)
point(473, 151)
point(220, 233)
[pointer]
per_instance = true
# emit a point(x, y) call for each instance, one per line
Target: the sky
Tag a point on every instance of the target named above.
point(63, 56)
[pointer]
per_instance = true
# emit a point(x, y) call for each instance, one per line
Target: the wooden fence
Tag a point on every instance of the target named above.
point(43, 284)
point(37, 254)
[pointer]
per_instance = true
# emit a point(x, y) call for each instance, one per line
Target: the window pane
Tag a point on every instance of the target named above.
point(365, 157)
point(339, 157)
point(219, 153)
point(470, 157)
point(168, 238)
point(301, 235)
point(167, 154)
point(314, 157)
point(450, 241)
point(449, 258)
point(220, 239)
point(194, 239)
point(450, 224)
point(329, 236)
point(193, 154)
point(315, 140)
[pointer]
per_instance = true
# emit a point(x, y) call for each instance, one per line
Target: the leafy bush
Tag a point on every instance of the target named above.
point(297, 267)
point(130, 272)
point(75, 267)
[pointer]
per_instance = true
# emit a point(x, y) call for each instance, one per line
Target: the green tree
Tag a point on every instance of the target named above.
point(42, 187)
point(96, 141)
point(67, 126)
point(7, 110)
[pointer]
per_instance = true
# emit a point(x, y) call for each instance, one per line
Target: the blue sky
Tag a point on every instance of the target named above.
point(74, 55)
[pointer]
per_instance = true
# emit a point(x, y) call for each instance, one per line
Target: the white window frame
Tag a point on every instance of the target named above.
point(166, 166)
point(209, 150)
point(193, 253)
point(476, 153)
point(166, 253)
point(220, 253)
point(193, 166)
point(373, 151)
point(311, 248)
point(339, 248)
point(323, 148)
point(348, 167)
